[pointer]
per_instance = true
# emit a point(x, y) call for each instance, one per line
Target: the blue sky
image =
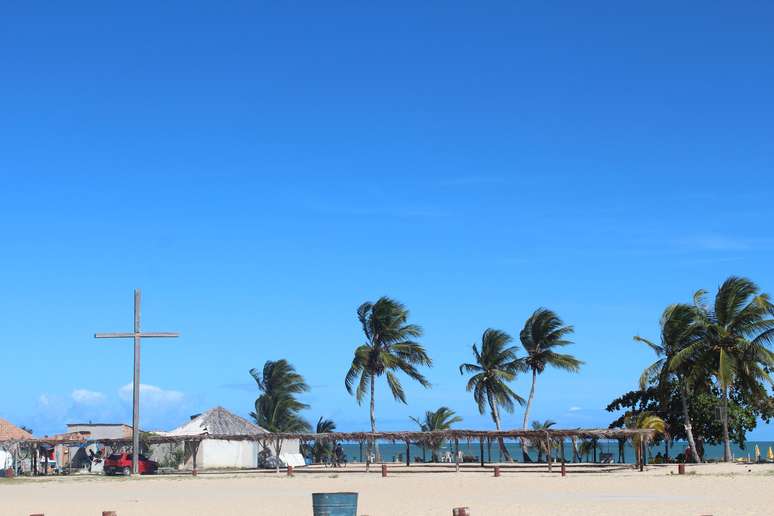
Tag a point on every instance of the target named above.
point(259, 169)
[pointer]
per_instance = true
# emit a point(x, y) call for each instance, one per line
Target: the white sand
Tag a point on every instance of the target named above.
point(707, 489)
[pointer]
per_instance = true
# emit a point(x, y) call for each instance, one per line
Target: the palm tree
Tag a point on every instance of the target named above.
point(586, 447)
point(736, 331)
point(389, 347)
point(495, 366)
point(678, 331)
point(434, 421)
point(543, 447)
point(323, 449)
point(277, 408)
point(643, 421)
point(543, 332)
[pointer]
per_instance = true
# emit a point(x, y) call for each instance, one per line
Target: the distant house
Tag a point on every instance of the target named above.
point(97, 431)
point(222, 453)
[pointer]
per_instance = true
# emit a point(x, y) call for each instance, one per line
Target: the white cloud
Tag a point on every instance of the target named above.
point(87, 397)
point(575, 409)
point(43, 399)
point(151, 394)
point(717, 242)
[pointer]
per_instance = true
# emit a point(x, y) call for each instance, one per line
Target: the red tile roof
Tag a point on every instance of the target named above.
point(9, 431)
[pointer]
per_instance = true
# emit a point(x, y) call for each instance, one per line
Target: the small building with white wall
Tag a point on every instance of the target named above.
point(223, 453)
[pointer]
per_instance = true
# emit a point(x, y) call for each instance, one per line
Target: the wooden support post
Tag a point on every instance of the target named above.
point(561, 450)
point(497, 471)
point(575, 457)
point(195, 452)
point(548, 453)
point(408, 453)
point(481, 449)
point(457, 455)
point(109, 513)
point(681, 469)
point(290, 470)
point(461, 511)
point(384, 470)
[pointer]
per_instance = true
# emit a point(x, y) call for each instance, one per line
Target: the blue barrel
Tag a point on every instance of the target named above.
point(334, 504)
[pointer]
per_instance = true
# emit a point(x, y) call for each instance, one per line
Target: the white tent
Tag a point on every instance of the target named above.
point(6, 460)
point(222, 453)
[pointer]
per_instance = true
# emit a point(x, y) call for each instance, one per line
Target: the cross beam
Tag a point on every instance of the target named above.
point(137, 335)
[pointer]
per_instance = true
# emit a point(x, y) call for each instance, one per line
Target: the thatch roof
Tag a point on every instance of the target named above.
point(11, 432)
point(533, 435)
point(462, 435)
point(216, 422)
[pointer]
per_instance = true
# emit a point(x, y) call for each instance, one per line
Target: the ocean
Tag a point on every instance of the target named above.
point(396, 452)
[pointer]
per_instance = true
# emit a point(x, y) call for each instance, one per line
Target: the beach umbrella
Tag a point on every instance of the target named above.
point(770, 454)
point(757, 453)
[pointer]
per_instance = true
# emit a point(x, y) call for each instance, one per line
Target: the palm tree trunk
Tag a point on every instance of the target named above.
point(726, 439)
point(373, 419)
point(687, 423)
point(496, 416)
point(524, 450)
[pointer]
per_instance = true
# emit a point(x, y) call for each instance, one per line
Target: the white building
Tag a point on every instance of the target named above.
point(222, 453)
point(97, 431)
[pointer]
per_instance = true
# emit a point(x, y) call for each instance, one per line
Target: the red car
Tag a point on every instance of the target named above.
point(121, 464)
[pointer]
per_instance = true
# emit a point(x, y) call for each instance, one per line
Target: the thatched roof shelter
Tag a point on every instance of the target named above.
point(405, 436)
point(214, 422)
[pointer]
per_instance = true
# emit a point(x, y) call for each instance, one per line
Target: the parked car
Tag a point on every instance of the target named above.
point(121, 464)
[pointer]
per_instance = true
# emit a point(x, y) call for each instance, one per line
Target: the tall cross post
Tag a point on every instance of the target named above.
point(137, 335)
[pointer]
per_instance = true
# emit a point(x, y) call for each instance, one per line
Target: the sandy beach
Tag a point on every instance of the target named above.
point(715, 489)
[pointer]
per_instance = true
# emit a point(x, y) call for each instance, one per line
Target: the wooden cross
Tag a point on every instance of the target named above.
point(137, 335)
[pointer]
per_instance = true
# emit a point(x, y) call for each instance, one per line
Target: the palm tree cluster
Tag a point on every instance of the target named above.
point(721, 347)
point(391, 348)
point(497, 364)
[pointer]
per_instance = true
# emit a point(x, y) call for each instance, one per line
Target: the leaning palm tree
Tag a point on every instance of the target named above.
point(436, 421)
point(390, 347)
point(277, 409)
point(543, 332)
point(323, 449)
point(679, 330)
point(543, 447)
point(736, 332)
point(496, 365)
